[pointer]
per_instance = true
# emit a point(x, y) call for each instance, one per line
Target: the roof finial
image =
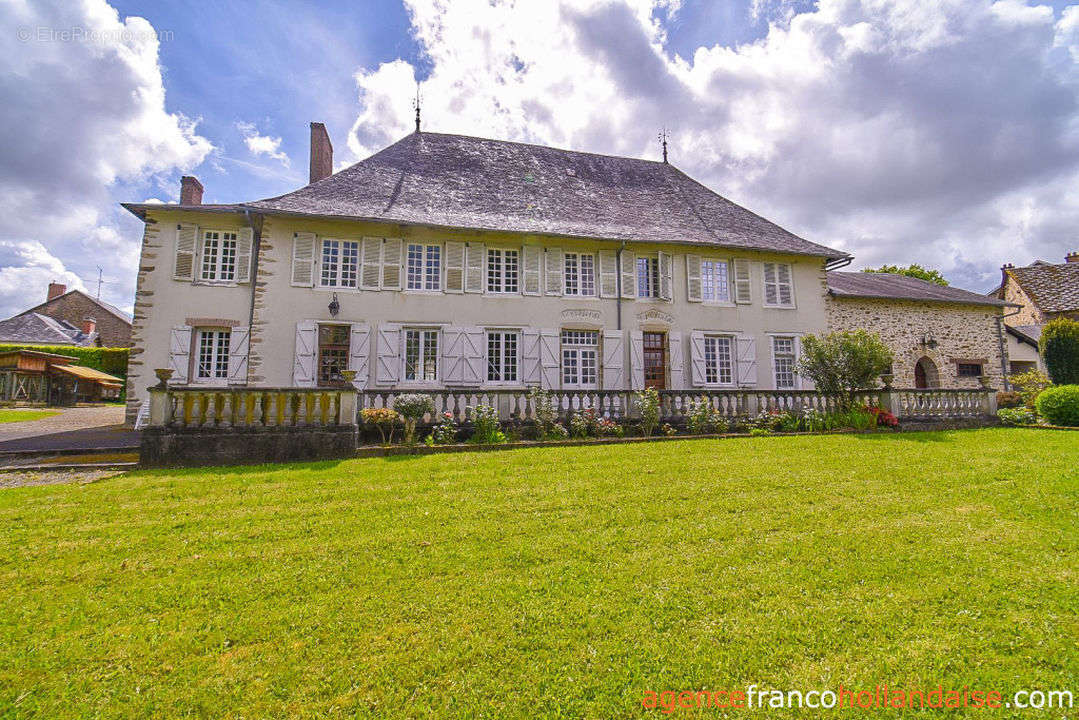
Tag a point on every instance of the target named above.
point(416, 104)
point(663, 138)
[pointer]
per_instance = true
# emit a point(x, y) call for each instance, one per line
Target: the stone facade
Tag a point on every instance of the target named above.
point(75, 306)
point(961, 334)
point(1028, 314)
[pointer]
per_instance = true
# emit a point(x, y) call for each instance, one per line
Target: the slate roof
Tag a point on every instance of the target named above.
point(458, 181)
point(1052, 288)
point(1031, 333)
point(901, 287)
point(104, 305)
point(38, 329)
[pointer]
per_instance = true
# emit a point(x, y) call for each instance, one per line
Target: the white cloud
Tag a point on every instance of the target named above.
point(26, 269)
point(262, 144)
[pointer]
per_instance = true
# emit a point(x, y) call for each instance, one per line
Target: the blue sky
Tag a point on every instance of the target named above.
point(944, 133)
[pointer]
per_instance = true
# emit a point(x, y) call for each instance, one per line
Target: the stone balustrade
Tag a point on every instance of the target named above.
point(224, 408)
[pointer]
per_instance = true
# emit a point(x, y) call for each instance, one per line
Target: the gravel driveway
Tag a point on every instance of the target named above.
point(73, 428)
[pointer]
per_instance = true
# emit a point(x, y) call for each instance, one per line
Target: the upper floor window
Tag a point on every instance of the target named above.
point(339, 263)
point(784, 357)
point(212, 363)
point(580, 274)
point(424, 267)
point(778, 289)
point(718, 360)
point(580, 359)
point(218, 255)
point(501, 356)
point(421, 355)
point(503, 268)
point(715, 285)
point(648, 276)
point(332, 353)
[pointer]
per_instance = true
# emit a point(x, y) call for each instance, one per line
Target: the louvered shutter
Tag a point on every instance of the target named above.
point(370, 262)
point(303, 367)
point(742, 292)
point(475, 355)
point(532, 256)
point(303, 259)
point(391, 263)
point(180, 354)
point(239, 345)
point(553, 271)
point(636, 360)
point(245, 240)
point(747, 359)
point(771, 288)
point(804, 382)
point(608, 274)
point(614, 360)
point(785, 286)
point(696, 359)
point(693, 278)
point(476, 261)
point(359, 353)
point(183, 267)
point(666, 276)
point(549, 365)
point(388, 354)
point(629, 284)
point(530, 356)
point(453, 355)
point(678, 363)
point(455, 267)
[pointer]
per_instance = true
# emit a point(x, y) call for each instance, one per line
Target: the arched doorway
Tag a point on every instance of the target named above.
point(925, 374)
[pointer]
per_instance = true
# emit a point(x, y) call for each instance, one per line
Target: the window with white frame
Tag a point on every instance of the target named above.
point(648, 276)
point(424, 267)
point(715, 281)
point(784, 359)
point(503, 268)
point(718, 359)
point(501, 356)
point(339, 263)
point(580, 359)
point(580, 274)
point(212, 361)
point(778, 287)
point(421, 355)
point(218, 256)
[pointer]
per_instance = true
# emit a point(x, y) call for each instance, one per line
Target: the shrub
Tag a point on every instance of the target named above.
point(557, 432)
point(704, 418)
point(486, 428)
point(816, 421)
point(669, 430)
point(1059, 346)
point(445, 432)
point(759, 431)
point(382, 418)
point(1029, 385)
point(841, 363)
point(546, 414)
point(884, 418)
point(584, 424)
point(412, 407)
point(606, 427)
point(1060, 405)
point(1017, 416)
point(648, 400)
point(1009, 399)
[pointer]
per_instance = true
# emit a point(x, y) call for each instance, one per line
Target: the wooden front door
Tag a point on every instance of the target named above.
point(920, 380)
point(655, 360)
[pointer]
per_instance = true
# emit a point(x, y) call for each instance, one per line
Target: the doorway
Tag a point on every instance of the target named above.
point(655, 360)
point(925, 374)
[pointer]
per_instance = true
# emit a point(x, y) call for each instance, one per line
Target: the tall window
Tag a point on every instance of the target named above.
point(340, 262)
point(648, 277)
point(783, 362)
point(332, 353)
point(421, 355)
point(424, 267)
point(714, 281)
point(580, 274)
point(580, 359)
point(501, 356)
point(502, 270)
point(218, 255)
point(718, 360)
point(213, 359)
point(778, 290)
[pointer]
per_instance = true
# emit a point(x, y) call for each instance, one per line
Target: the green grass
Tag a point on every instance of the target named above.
point(552, 582)
point(10, 416)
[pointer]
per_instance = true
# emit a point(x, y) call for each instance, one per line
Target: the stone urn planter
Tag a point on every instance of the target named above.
point(163, 377)
point(349, 376)
point(887, 378)
point(984, 381)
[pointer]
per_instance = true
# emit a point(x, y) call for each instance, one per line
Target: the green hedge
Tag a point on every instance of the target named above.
point(108, 360)
point(1060, 405)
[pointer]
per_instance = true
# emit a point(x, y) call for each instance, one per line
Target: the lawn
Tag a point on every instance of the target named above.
point(10, 416)
point(549, 582)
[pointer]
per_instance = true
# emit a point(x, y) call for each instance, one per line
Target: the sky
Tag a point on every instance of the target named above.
point(939, 132)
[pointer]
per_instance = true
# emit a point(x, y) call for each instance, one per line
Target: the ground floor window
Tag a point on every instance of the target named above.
point(212, 362)
point(580, 359)
point(421, 355)
point(972, 370)
point(718, 360)
point(784, 357)
point(332, 353)
point(501, 356)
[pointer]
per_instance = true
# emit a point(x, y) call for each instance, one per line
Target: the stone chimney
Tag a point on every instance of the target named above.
point(1073, 256)
point(321, 153)
point(89, 325)
point(56, 290)
point(190, 190)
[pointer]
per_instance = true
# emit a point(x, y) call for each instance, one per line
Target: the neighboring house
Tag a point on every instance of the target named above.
point(446, 261)
point(69, 318)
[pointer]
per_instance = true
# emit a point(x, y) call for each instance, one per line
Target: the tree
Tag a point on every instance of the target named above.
point(914, 271)
point(1059, 346)
point(841, 363)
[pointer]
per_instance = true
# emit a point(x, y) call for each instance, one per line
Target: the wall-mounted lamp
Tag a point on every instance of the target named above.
point(335, 307)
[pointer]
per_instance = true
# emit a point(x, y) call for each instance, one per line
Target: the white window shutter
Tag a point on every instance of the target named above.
point(804, 383)
point(239, 344)
point(696, 359)
point(370, 262)
point(693, 278)
point(453, 355)
point(183, 267)
point(359, 353)
point(614, 360)
point(742, 292)
point(608, 273)
point(303, 367)
point(530, 356)
point(678, 363)
point(553, 271)
point(532, 255)
point(549, 364)
point(303, 259)
point(747, 359)
point(666, 276)
point(475, 355)
point(388, 354)
point(636, 360)
point(475, 268)
point(245, 240)
point(771, 289)
point(629, 275)
point(786, 287)
point(391, 263)
point(180, 354)
point(455, 267)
